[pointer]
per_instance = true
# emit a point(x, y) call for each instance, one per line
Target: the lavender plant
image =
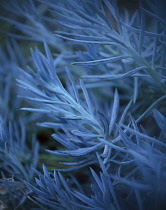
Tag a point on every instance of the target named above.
point(17, 159)
point(99, 86)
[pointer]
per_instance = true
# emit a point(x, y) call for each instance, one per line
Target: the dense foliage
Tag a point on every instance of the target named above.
point(96, 91)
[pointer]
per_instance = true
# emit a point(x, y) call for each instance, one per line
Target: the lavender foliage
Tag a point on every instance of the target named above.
point(99, 87)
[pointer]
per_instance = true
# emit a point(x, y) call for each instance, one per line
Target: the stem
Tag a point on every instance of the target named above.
point(83, 112)
point(151, 71)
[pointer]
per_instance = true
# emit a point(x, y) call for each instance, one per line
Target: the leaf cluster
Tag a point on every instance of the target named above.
point(99, 86)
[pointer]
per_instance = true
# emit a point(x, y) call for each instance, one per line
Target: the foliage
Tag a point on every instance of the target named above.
point(99, 87)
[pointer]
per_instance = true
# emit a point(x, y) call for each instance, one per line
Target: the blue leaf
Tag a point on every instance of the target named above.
point(114, 112)
point(83, 151)
point(100, 61)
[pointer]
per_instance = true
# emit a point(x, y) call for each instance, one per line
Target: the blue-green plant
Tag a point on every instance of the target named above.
point(99, 86)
